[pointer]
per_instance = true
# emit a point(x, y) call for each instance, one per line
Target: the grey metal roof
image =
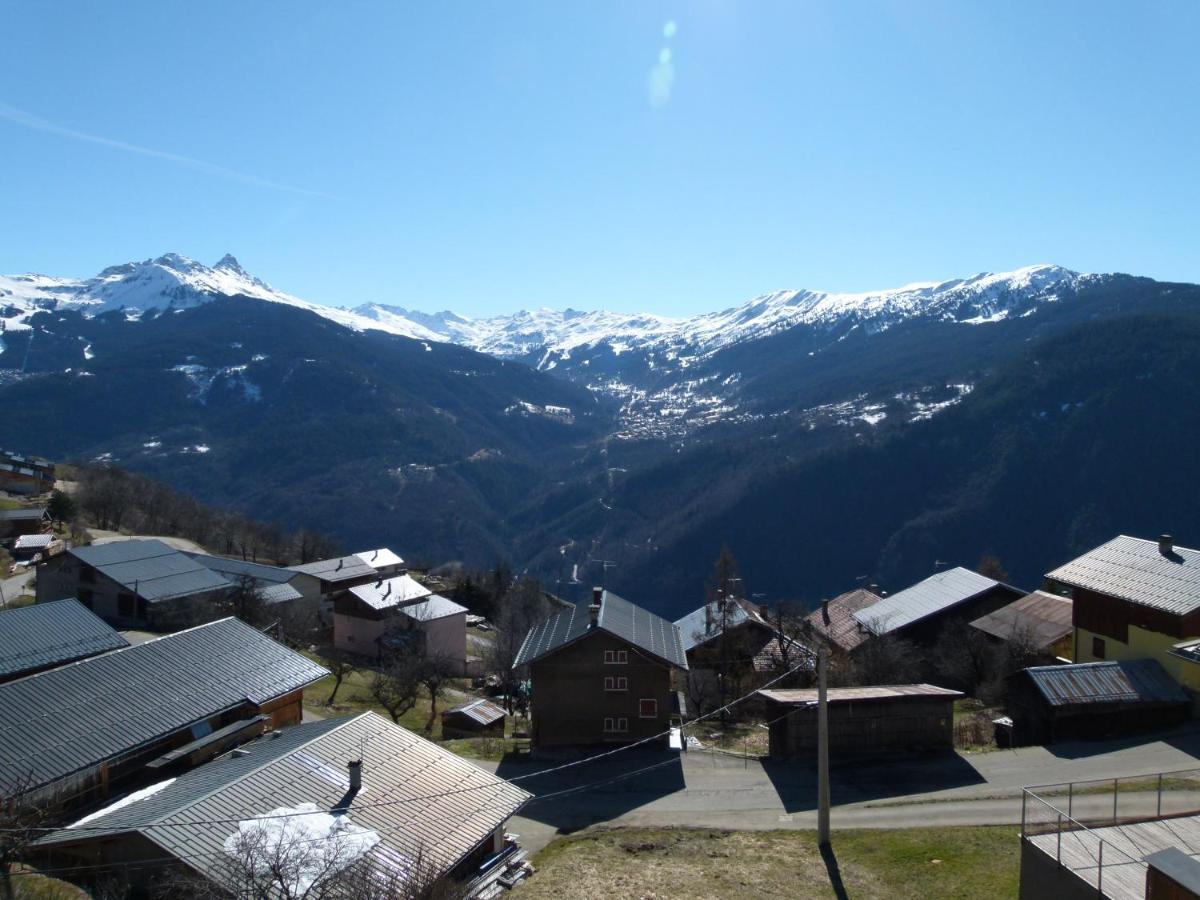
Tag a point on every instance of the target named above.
point(342, 568)
point(694, 628)
point(618, 617)
point(1110, 681)
point(22, 515)
point(238, 568)
point(934, 595)
point(34, 541)
point(389, 592)
point(1135, 570)
point(1042, 617)
point(151, 569)
point(65, 719)
point(278, 593)
point(435, 606)
point(419, 798)
point(382, 558)
point(485, 712)
point(806, 696)
point(50, 634)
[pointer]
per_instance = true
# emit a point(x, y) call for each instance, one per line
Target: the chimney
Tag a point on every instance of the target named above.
point(874, 589)
point(338, 568)
point(825, 611)
point(594, 607)
point(1166, 545)
point(355, 768)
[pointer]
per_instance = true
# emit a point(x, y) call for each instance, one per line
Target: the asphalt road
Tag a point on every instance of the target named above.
point(703, 789)
point(11, 588)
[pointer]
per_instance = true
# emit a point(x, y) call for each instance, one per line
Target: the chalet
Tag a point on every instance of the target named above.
point(36, 546)
point(39, 637)
point(134, 584)
point(383, 561)
point(82, 731)
point(1041, 621)
point(23, 480)
point(476, 718)
point(862, 720)
point(337, 574)
point(27, 520)
point(1135, 599)
point(919, 613)
point(603, 671)
point(834, 624)
point(737, 631)
point(1086, 700)
point(393, 613)
point(371, 800)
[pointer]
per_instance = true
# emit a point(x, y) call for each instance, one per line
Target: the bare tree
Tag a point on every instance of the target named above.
point(436, 672)
point(22, 821)
point(340, 664)
point(522, 607)
point(794, 641)
point(965, 657)
point(883, 658)
point(397, 687)
point(246, 601)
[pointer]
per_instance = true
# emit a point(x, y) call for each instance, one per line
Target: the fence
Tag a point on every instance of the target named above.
point(1062, 820)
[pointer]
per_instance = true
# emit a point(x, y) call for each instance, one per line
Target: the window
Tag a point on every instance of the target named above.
point(612, 683)
point(615, 657)
point(648, 709)
point(616, 726)
point(1098, 647)
point(622, 724)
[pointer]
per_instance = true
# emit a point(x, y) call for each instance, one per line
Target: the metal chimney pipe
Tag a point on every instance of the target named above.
point(1166, 545)
point(355, 769)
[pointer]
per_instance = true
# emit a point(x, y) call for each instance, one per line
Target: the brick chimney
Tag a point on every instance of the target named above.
point(354, 767)
point(1166, 545)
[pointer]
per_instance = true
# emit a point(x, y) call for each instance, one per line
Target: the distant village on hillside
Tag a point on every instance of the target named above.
point(219, 709)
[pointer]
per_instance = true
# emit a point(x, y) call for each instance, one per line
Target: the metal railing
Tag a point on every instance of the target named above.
point(1071, 811)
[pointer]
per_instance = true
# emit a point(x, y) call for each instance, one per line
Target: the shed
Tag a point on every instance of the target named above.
point(26, 520)
point(862, 720)
point(45, 635)
point(478, 717)
point(1086, 700)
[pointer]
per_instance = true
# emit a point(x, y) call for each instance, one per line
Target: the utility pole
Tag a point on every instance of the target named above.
point(822, 750)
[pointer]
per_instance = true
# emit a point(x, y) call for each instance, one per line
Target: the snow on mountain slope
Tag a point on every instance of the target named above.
point(551, 335)
point(171, 281)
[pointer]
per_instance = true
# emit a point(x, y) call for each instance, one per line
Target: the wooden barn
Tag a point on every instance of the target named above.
point(862, 720)
point(476, 718)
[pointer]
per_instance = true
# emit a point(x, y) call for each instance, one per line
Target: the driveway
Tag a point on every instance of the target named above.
point(712, 790)
point(11, 588)
point(108, 537)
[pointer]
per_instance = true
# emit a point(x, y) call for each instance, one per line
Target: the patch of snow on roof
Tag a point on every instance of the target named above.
point(128, 800)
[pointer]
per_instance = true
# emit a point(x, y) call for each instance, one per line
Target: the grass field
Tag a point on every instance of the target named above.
point(906, 864)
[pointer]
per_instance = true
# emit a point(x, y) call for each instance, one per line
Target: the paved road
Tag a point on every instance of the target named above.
point(11, 588)
point(718, 791)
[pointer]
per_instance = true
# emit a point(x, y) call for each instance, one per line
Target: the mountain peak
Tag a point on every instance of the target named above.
point(229, 263)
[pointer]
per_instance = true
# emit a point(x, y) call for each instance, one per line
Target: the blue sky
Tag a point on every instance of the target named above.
point(667, 157)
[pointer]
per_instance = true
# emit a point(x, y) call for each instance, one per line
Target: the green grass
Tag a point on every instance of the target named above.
point(905, 864)
point(736, 737)
point(5, 503)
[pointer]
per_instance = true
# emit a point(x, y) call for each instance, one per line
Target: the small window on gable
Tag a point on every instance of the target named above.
point(648, 709)
point(1098, 647)
point(610, 657)
point(622, 656)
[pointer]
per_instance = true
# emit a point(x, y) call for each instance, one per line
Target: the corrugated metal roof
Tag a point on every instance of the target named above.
point(1111, 681)
point(22, 515)
point(151, 569)
point(34, 541)
point(342, 568)
point(435, 606)
point(65, 719)
point(420, 799)
point(618, 617)
point(389, 592)
point(278, 593)
point(240, 568)
point(50, 634)
point(836, 622)
point(485, 712)
point(805, 696)
point(1135, 570)
point(934, 595)
point(695, 628)
point(383, 558)
point(1042, 617)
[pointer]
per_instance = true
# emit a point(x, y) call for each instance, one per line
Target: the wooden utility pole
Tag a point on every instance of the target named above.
point(822, 750)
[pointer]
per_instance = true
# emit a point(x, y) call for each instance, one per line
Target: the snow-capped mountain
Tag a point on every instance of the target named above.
point(170, 282)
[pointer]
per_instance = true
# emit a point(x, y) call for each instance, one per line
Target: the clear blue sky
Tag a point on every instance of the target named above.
point(491, 156)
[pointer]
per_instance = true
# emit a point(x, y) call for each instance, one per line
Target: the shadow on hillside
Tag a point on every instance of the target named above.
point(1183, 737)
point(580, 795)
point(868, 778)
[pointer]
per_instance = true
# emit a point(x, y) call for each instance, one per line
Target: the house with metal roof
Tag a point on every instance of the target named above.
point(350, 801)
point(919, 613)
point(276, 586)
point(80, 731)
point(1085, 700)
point(1134, 599)
point(604, 671)
point(45, 635)
point(339, 573)
point(25, 520)
point(1040, 621)
point(378, 617)
point(134, 583)
point(862, 720)
point(383, 561)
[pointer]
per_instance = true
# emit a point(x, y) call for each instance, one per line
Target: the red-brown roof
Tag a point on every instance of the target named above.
point(835, 621)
